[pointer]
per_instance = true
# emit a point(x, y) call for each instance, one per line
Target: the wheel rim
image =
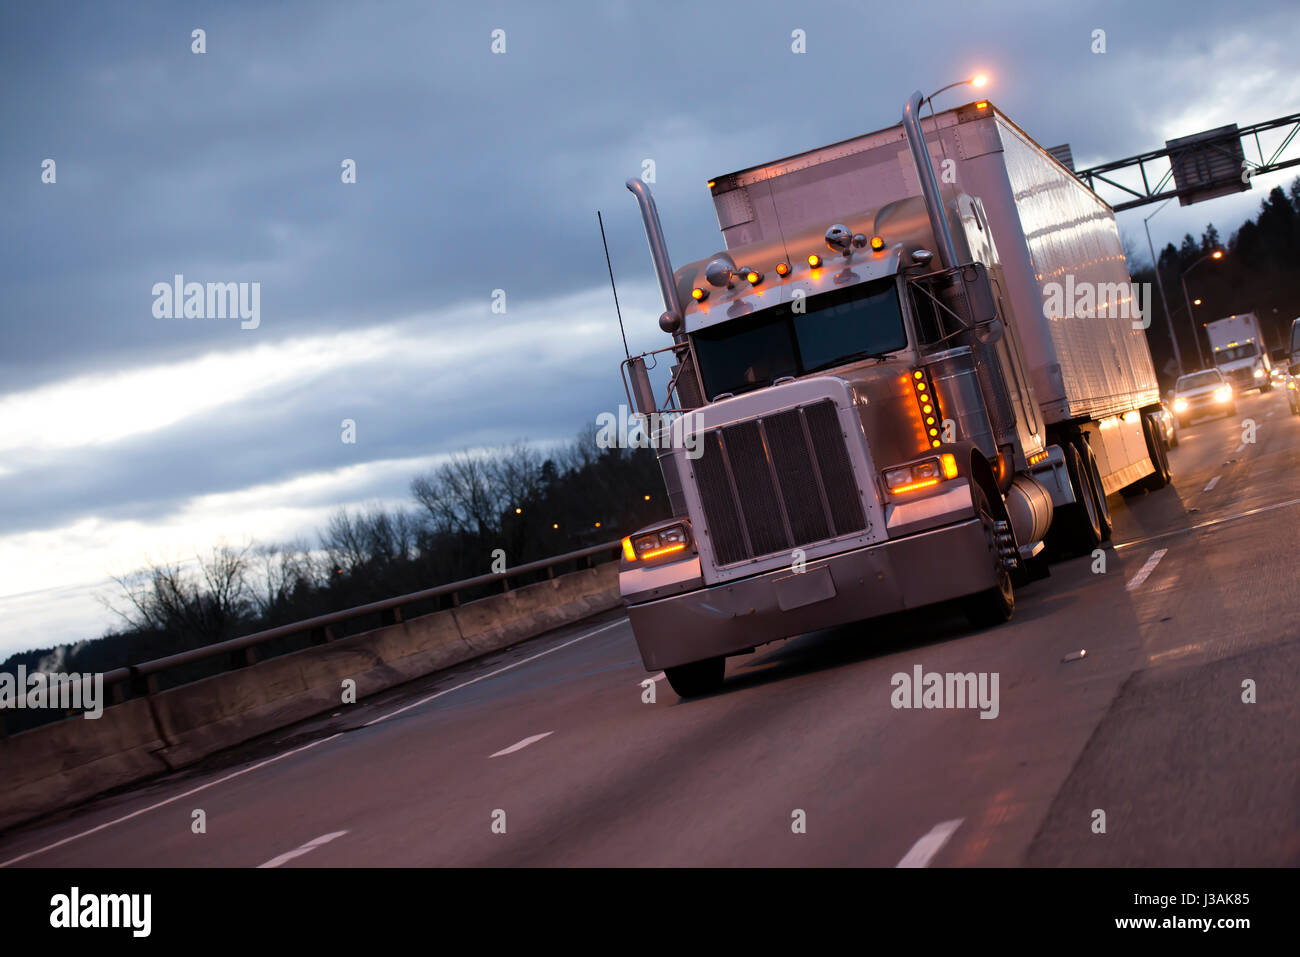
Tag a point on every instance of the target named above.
point(991, 537)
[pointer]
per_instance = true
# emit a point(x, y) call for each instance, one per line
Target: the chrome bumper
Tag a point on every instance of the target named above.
point(727, 619)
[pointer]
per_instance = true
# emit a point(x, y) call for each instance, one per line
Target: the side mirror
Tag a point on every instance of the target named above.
point(979, 290)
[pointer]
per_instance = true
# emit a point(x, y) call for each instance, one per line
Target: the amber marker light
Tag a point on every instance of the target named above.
point(814, 260)
point(628, 553)
point(783, 269)
point(877, 243)
point(699, 295)
point(666, 550)
point(926, 483)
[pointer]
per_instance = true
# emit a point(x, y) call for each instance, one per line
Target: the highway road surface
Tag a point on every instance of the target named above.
point(548, 754)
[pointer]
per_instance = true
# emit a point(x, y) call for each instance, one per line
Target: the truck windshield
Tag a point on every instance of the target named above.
point(834, 328)
point(1232, 353)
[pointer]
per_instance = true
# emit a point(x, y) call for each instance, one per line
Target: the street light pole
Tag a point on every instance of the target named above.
point(1164, 300)
point(1215, 254)
point(1200, 356)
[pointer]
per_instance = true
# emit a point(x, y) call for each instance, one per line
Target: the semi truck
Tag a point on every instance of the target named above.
point(1237, 344)
point(915, 371)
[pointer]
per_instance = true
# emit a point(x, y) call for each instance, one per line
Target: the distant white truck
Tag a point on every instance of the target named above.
point(1237, 344)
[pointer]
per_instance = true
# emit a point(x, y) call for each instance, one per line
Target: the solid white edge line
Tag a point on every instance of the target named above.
point(170, 800)
point(416, 704)
point(278, 757)
point(1147, 568)
point(300, 851)
point(520, 745)
point(930, 844)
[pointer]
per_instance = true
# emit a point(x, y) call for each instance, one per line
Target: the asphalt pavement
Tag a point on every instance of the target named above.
point(1120, 703)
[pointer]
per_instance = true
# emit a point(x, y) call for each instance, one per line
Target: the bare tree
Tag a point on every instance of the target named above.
point(203, 601)
point(463, 495)
point(280, 571)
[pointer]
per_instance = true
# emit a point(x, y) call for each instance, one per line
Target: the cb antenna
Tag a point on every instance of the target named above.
point(608, 265)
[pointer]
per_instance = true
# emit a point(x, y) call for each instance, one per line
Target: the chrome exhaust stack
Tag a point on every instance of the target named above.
point(929, 185)
point(671, 320)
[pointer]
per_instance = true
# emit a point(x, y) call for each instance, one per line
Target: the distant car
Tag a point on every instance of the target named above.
point(1202, 393)
point(1293, 393)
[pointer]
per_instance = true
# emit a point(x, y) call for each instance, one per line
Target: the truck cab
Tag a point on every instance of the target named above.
point(1238, 347)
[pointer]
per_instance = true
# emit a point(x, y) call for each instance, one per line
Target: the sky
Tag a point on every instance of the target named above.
point(127, 436)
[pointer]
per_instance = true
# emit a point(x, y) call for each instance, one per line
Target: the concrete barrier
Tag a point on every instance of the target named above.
point(61, 764)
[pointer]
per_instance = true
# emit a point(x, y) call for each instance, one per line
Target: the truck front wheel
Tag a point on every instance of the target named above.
point(697, 678)
point(994, 605)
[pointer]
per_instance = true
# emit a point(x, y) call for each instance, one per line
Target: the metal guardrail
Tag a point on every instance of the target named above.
point(147, 670)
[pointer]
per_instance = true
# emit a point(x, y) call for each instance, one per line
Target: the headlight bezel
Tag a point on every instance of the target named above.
point(662, 544)
point(920, 475)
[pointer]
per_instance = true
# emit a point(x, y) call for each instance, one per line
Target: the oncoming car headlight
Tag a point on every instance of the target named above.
point(1223, 393)
point(1180, 405)
point(665, 544)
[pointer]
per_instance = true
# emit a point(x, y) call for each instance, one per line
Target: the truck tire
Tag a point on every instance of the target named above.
point(1158, 451)
point(697, 678)
point(994, 605)
point(1076, 528)
point(1098, 491)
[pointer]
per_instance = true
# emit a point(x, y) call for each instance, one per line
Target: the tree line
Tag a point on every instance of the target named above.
point(527, 503)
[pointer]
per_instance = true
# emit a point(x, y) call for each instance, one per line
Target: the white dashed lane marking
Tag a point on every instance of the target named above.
point(1145, 571)
point(520, 745)
point(1213, 482)
point(305, 849)
point(929, 845)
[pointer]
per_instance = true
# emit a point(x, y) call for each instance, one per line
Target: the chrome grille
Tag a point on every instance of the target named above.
point(776, 483)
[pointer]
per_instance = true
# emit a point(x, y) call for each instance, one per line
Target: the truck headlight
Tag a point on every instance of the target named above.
point(926, 473)
point(662, 544)
point(1180, 405)
point(1259, 373)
